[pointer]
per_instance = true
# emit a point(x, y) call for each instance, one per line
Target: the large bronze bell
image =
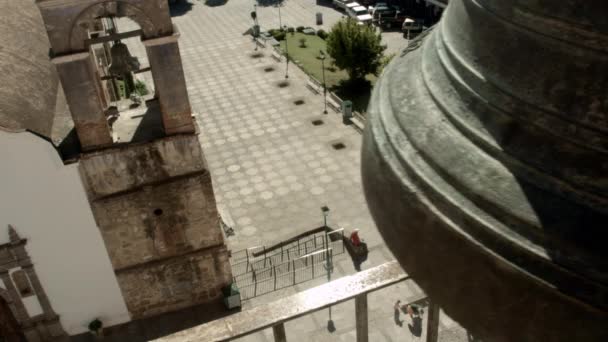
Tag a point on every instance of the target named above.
point(122, 61)
point(485, 166)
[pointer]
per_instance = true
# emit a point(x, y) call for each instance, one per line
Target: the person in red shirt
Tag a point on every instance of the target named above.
point(354, 238)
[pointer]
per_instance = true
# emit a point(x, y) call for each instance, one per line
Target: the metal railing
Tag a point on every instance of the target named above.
point(275, 314)
point(284, 275)
point(287, 265)
point(243, 261)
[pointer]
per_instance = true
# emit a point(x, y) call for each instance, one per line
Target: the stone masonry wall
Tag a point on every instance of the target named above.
point(157, 221)
point(111, 171)
point(156, 211)
point(175, 283)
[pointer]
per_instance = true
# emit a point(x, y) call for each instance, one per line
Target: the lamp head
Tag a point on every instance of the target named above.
point(325, 210)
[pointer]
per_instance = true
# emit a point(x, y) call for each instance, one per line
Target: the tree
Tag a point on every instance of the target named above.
point(355, 48)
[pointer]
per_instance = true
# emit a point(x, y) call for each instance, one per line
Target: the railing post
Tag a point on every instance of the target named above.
point(255, 284)
point(264, 255)
point(294, 271)
point(275, 277)
point(432, 324)
point(361, 317)
point(298, 247)
point(278, 331)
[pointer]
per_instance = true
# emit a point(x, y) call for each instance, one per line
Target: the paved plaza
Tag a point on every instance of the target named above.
point(272, 169)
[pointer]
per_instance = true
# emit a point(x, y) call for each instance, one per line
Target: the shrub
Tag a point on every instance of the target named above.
point(280, 35)
point(302, 42)
point(322, 34)
point(277, 34)
point(140, 88)
point(95, 325)
point(291, 30)
point(355, 48)
point(300, 28)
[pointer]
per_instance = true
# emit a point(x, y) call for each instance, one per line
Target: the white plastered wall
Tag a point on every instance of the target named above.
point(45, 201)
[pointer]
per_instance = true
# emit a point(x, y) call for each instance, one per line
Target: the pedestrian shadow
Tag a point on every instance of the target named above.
point(397, 317)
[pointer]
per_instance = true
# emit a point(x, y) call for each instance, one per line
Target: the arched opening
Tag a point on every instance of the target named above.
point(88, 18)
point(10, 330)
point(125, 77)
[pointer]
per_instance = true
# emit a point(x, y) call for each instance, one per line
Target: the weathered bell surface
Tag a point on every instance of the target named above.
point(485, 166)
point(122, 61)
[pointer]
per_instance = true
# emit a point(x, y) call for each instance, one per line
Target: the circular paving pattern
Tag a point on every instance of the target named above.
point(266, 195)
point(249, 231)
point(316, 190)
point(234, 168)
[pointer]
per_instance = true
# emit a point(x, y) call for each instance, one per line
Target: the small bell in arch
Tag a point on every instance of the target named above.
point(122, 61)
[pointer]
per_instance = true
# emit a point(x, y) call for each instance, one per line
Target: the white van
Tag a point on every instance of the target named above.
point(360, 14)
point(412, 25)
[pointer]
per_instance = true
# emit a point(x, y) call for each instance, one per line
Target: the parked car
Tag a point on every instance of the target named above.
point(378, 8)
point(360, 14)
point(412, 25)
point(341, 4)
point(351, 5)
point(390, 18)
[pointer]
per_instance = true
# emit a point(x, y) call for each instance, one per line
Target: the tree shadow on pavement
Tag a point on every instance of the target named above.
point(180, 7)
point(215, 3)
point(325, 3)
point(273, 3)
point(357, 91)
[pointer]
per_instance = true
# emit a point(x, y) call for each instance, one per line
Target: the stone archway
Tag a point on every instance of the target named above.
point(108, 8)
point(67, 22)
point(10, 330)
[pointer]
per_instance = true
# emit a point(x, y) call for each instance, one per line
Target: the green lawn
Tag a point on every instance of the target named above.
point(308, 59)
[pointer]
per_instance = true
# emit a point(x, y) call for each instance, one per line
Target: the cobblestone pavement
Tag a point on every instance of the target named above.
point(272, 169)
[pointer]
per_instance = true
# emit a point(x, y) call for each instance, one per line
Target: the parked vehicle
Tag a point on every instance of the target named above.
point(360, 14)
point(390, 19)
point(379, 8)
point(412, 25)
point(351, 5)
point(341, 4)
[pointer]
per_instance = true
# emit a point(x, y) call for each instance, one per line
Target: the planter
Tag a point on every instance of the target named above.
point(232, 296)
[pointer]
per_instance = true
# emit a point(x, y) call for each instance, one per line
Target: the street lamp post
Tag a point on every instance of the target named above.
point(256, 27)
point(279, 7)
point(286, 53)
point(325, 211)
point(322, 57)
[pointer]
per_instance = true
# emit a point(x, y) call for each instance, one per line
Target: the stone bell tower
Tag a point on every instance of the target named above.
point(485, 166)
point(145, 174)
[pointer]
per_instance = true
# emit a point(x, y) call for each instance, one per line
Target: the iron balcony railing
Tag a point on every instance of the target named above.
point(275, 314)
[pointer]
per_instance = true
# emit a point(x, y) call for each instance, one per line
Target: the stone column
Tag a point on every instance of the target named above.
point(42, 298)
point(20, 313)
point(82, 94)
point(170, 84)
